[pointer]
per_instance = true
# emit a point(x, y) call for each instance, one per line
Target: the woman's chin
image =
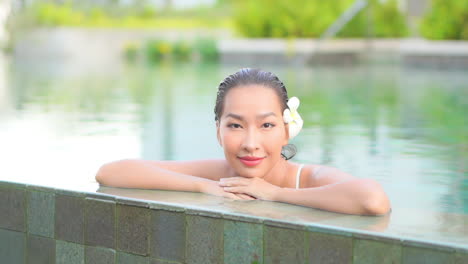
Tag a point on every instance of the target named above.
point(248, 172)
point(243, 170)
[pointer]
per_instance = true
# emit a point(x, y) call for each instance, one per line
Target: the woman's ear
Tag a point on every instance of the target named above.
point(217, 133)
point(286, 130)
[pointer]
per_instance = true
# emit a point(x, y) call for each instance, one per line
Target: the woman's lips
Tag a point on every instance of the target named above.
point(251, 162)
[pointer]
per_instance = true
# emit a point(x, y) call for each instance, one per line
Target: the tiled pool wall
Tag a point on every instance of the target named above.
point(46, 225)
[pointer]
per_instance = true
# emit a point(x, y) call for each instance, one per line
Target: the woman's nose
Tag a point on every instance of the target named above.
point(251, 141)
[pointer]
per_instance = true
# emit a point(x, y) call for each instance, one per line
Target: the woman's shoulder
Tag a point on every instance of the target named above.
point(306, 173)
point(315, 175)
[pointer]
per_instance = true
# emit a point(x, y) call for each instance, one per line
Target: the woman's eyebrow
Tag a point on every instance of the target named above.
point(261, 116)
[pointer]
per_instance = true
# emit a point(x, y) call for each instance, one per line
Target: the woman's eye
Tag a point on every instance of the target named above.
point(266, 125)
point(234, 125)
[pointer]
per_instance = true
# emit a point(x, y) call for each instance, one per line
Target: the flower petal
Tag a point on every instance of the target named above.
point(287, 116)
point(293, 103)
point(295, 126)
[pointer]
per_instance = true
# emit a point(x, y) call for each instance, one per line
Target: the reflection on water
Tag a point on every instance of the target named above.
point(404, 127)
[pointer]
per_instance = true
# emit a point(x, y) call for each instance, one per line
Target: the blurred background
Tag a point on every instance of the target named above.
point(383, 87)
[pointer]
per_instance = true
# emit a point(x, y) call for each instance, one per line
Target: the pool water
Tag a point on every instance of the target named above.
point(405, 127)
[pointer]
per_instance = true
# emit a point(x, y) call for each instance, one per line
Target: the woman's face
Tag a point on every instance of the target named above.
point(252, 125)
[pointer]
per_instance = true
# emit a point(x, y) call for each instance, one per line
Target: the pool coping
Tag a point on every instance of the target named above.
point(301, 226)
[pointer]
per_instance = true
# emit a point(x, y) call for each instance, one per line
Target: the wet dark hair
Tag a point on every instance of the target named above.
point(249, 76)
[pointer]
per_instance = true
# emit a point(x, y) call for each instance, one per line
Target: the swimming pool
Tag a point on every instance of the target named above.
point(405, 127)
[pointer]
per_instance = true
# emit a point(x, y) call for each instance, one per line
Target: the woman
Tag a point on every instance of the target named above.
point(254, 121)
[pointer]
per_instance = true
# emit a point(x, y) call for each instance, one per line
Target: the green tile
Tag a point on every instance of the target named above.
point(133, 228)
point(204, 239)
point(242, 217)
point(69, 218)
point(372, 251)
point(41, 250)
point(98, 255)
point(40, 188)
point(330, 248)
point(416, 255)
point(69, 253)
point(12, 246)
point(126, 258)
point(99, 223)
point(243, 242)
point(41, 213)
point(204, 212)
point(283, 245)
point(285, 224)
point(13, 209)
point(163, 261)
point(134, 202)
point(12, 185)
point(101, 196)
point(168, 235)
point(461, 258)
point(167, 207)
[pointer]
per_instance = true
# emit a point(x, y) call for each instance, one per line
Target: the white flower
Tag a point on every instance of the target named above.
point(292, 117)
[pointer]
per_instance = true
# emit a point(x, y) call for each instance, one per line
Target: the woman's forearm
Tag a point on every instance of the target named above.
point(135, 174)
point(359, 196)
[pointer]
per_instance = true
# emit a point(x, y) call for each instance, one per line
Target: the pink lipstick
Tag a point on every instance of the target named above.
point(250, 161)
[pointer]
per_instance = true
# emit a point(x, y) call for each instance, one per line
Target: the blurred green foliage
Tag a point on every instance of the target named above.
point(147, 12)
point(296, 18)
point(181, 50)
point(446, 19)
point(50, 14)
point(156, 50)
point(131, 51)
point(206, 49)
point(377, 20)
point(67, 14)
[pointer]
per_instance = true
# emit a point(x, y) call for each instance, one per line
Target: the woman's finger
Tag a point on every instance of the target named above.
point(245, 196)
point(231, 178)
point(234, 189)
point(253, 197)
point(232, 183)
point(232, 196)
point(239, 191)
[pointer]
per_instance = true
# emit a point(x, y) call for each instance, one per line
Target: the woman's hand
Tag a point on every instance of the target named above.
point(213, 188)
point(255, 187)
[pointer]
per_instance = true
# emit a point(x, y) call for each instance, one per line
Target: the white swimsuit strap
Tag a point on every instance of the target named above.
point(298, 175)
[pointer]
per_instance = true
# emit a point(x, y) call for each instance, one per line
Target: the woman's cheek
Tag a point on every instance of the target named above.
point(230, 142)
point(272, 139)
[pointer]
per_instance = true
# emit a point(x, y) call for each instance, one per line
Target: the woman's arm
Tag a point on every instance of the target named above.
point(354, 196)
point(144, 174)
point(141, 174)
point(326, 188)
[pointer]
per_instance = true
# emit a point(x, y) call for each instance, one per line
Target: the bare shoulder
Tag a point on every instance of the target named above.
point(212, 169)
point(318, 175)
